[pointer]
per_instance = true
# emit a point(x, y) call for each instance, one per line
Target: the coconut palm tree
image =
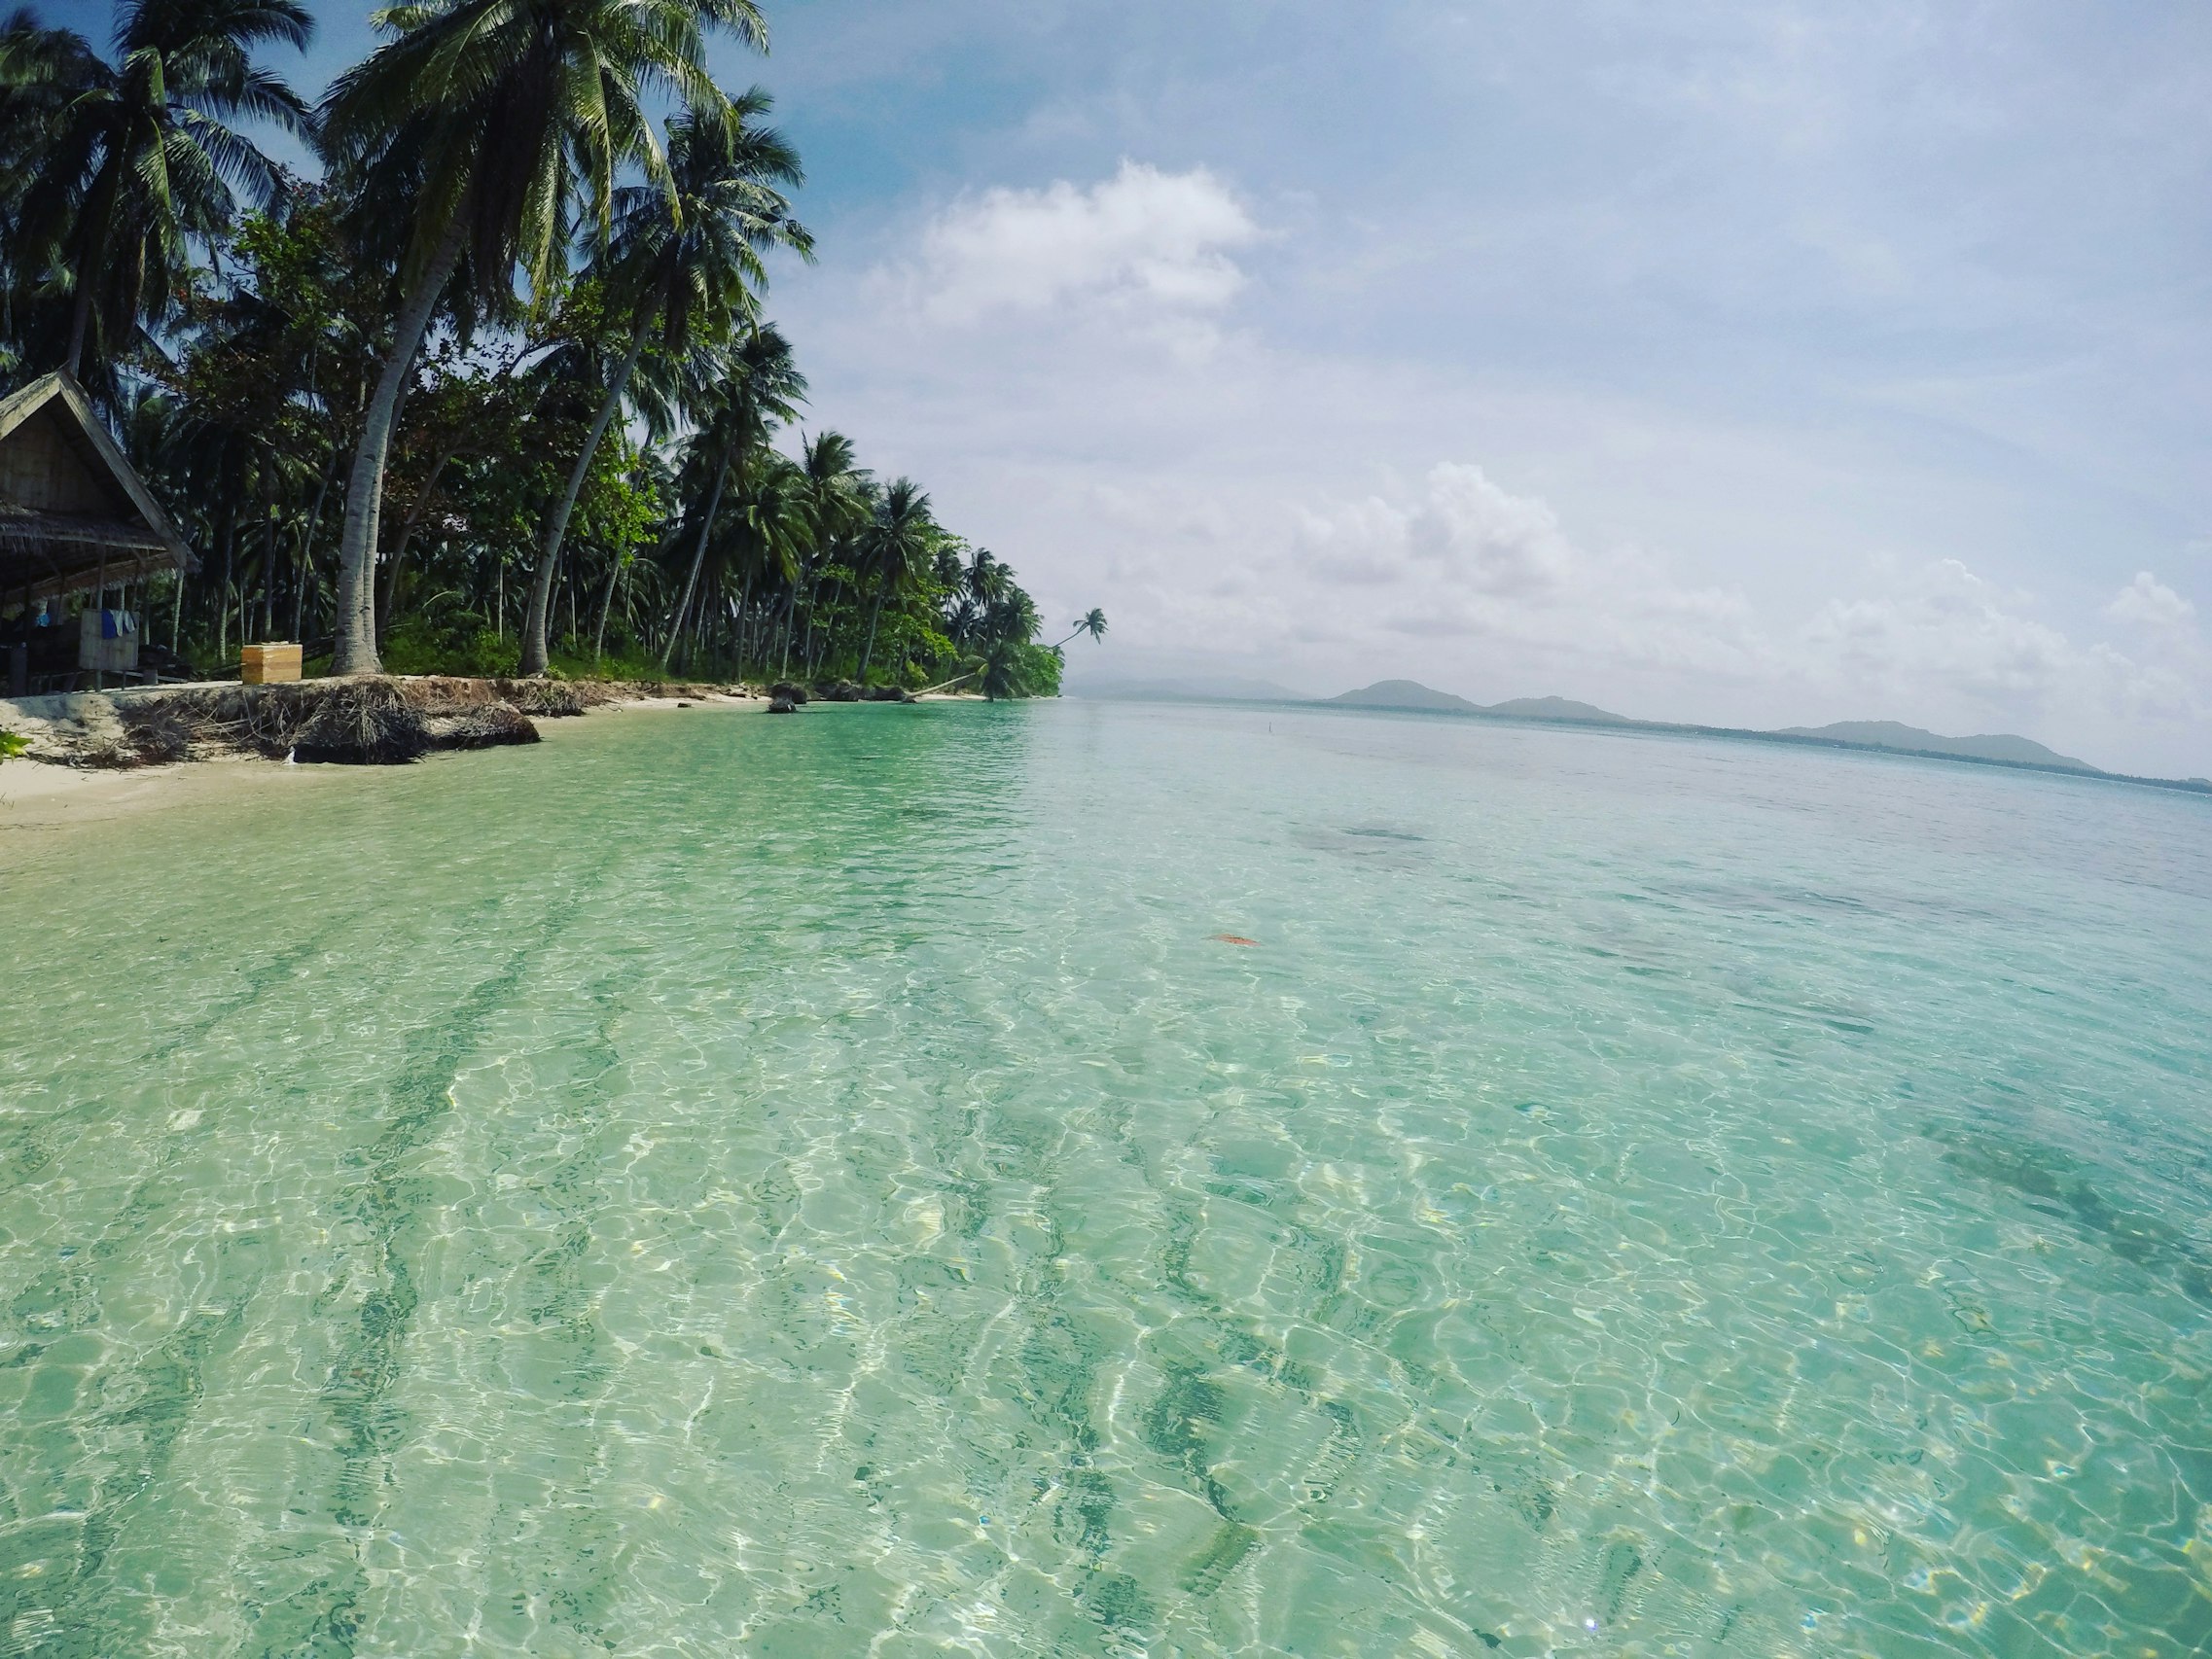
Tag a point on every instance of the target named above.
point(986, 579)
point(837, 508)
point(764, 515)
point(685, 263)
point(897, 547)
point(1094, 624)
point(488, 123)
point(759, 390)
point(139, 157)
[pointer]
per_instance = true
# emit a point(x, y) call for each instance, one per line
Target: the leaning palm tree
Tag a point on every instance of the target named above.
point(685, 263)
point(489, 120)
point(139, 157)
point(898, 547)
point(1092, 623)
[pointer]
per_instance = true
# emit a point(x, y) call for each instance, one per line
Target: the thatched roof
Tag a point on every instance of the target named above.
point(73, 514)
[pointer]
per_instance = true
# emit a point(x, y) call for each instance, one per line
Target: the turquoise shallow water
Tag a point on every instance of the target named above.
point(714, 1184)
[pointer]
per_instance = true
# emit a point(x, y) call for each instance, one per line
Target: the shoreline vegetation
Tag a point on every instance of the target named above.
point(357, 719)
point(487, 388)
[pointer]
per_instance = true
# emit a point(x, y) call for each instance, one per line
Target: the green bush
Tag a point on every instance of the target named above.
point(460, 641)
point(1011, 670)
point(11, 744)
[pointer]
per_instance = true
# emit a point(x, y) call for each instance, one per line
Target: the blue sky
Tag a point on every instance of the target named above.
point(1743, 362)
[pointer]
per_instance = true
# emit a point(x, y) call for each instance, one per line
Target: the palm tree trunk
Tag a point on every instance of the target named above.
point(557, 527)
point(813, 599)
point(356, 621)
point(99, 209)
point(307, 542)
point(268, 572)
point(391, 600)
point(875, 614)
point(599, 634)
point(698, 558)
point(80, 324)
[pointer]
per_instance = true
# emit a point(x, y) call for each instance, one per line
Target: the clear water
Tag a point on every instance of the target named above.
point(712, 1185)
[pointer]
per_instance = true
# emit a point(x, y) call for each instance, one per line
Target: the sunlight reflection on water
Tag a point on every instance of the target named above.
point(847, 1186)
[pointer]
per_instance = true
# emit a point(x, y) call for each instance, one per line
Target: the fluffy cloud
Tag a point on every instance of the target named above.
point(2149, 603)
point(1462, 556)
point(1464, 532)
point(1143, 242)
point(1059, 363)
point(1942, 623)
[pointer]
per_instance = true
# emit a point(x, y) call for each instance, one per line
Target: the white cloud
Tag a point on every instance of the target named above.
point(1463, 557)
point(2150, 603)
point(1946, 625)
point(1269, 503)
point(1143, 242)
point(1462, 564)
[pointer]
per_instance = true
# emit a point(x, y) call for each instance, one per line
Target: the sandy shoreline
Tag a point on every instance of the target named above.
point(51, 787)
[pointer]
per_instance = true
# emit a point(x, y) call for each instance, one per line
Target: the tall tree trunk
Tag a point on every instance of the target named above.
point(223, 607)
point(96, 220)
point(599, 634)
point(414, 514)
point(875, 614)
point(698, 558)
point(814, 602)
point(556, 526)
point(307, 542)
point(790, 627)
point(80, 323)
point(268, 573)
point(356, 621)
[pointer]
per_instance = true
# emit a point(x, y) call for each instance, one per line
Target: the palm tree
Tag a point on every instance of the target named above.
point(138, 157)
point(897, 547)
point(1094, 624)
point(987, 579)
point(760, 390)
point(837, 507)
point(765, 512)
point(685, 260)
point(488, 120)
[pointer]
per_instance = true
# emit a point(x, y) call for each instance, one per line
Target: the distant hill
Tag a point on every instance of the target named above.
point(1990, 749)
point(1198, 689)
point(1559, 708)
point(1892, 735)
point(1407, 695)
point(1427, 699)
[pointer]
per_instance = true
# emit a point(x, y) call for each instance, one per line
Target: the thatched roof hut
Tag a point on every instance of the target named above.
point(73, 514)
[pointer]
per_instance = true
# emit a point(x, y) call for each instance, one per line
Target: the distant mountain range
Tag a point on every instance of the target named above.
point(1412, 694)
point(1885, 736)
point(1888, 736)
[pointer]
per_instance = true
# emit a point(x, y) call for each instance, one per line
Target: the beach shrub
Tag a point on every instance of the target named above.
point(1014, 670)
point(458, 642)
point(11, 744)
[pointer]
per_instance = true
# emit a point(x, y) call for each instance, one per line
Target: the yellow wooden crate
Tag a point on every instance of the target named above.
point(269, 665)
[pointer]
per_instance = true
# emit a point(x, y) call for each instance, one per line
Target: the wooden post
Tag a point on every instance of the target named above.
point(100, 602)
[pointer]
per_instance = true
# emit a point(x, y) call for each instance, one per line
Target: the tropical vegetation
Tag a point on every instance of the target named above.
point(465, 367)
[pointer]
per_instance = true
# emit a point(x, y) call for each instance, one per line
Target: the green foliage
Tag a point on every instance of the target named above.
point(1014, 668)
point(459, 642)
point(11, 744)
point(601, 333)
